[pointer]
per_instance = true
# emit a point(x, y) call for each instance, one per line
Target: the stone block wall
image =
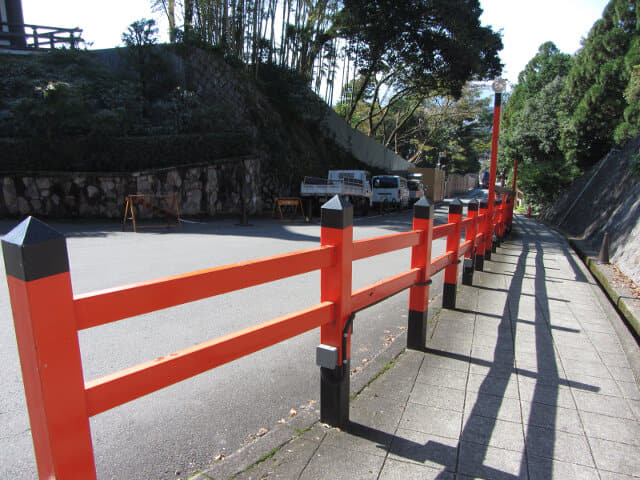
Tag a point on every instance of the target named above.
point(202, 190)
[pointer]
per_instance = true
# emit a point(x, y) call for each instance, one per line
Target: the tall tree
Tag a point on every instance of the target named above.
point(418, 47)
point(168, 8)
point(532, 124)
point(598, 114)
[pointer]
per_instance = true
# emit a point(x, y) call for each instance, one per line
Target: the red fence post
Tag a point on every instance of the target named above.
point(488, 232)
point(420, 258)
point(37, 268)
point(453, 245)
point(482, 230)
point(470, 235)
point(335, 284)
point(504, 217)
point(510, 207)
point(497, 237)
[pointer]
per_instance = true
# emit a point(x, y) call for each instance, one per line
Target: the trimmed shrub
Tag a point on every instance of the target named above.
point(119, 154)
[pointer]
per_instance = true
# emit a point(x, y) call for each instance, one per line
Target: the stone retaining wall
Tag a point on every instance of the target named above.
point(605, 199)
point(202, 190)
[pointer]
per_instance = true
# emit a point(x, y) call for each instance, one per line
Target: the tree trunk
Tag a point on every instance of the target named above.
point(403, 122)
point(188, 16)
point(358, 96)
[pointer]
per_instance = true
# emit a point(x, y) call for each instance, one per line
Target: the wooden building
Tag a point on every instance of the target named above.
point(12, 24)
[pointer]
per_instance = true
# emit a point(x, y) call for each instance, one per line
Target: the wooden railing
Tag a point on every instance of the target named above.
point(27, 36)
point(48, 316)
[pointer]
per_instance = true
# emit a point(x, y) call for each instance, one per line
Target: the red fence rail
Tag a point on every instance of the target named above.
point(48, 316)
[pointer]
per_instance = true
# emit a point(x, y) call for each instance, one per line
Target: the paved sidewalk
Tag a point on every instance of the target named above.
point(529, 378)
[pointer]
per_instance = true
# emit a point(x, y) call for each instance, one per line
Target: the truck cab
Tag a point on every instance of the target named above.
point(353, 185)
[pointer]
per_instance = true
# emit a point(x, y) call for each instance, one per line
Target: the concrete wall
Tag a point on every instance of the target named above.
point(364, 148)
point(605, 199)
point(202, 190)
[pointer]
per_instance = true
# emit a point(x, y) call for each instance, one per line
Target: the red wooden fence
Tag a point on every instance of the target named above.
point(48, 316)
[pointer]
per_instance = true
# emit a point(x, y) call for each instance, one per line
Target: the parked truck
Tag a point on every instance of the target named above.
point(351, 184)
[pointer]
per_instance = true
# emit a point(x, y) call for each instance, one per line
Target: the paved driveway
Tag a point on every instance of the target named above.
point(184, 427)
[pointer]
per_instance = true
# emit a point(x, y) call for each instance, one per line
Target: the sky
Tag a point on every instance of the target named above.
point(525, 24)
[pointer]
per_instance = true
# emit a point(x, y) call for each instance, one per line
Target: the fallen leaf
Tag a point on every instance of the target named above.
point(263, 431)
point(282, 420)
point(292, 412)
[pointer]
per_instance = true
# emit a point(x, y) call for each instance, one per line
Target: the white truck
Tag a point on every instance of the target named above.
point(352, 184)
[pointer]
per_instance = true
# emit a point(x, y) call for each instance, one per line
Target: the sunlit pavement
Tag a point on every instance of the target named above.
point(528, 378)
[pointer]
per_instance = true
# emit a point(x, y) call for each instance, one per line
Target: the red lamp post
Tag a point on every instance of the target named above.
point(498, 86)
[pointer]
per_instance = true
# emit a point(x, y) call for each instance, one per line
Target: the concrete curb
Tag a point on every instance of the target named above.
point(625, 304)
point(628, 307)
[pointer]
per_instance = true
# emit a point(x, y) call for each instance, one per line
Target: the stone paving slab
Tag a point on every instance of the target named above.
point(527, 380)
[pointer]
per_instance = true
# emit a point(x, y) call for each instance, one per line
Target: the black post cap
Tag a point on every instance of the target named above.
point(484, 204)
point(34, 250)
point(455, 206)
point(473, 205)
point(423, 209)
point(337, 213)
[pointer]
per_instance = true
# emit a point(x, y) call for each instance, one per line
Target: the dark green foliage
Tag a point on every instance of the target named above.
point(115, 154)
point(417, 48)
point(141, 33)
point(635, 164)
point(70, 110)
point(565, 115)
point(75, 93)
point(459, 128)
point(288, 91)
point(598, 114)
point(439, 46)
point(531, 126)
point(153, 73)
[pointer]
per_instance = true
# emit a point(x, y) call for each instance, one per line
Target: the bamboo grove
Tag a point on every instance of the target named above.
point(415, 47)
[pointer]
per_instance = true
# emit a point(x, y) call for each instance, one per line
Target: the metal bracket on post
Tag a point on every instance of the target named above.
point(327, 356)
point(335, 285)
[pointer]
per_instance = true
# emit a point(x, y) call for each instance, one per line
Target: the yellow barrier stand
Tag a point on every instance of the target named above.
point(144, 200)
point(288, 203)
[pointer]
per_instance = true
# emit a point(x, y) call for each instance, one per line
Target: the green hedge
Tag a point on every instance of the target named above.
point(115, 154)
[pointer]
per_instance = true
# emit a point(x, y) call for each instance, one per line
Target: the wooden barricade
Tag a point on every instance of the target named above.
point(170, 213)
point(290, 205)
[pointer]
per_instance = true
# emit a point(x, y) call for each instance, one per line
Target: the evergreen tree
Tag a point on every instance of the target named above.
point(531, 125)
point(598, 114)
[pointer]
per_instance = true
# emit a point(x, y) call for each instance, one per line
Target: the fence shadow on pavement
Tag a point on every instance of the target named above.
point(524, 351)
